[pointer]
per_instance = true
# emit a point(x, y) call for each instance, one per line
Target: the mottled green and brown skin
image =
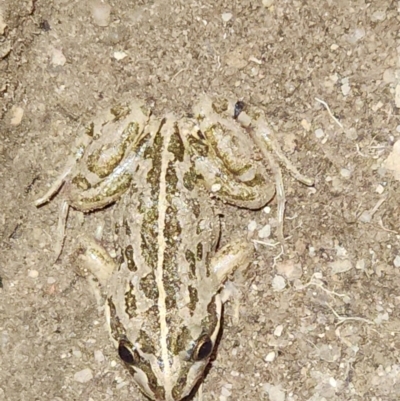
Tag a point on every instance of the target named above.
point(163, 292)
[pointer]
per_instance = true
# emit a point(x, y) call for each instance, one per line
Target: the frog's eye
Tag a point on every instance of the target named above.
point(203, 348)
point(125, 352)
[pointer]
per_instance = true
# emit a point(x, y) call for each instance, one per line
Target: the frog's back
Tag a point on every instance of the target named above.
point(161, 297)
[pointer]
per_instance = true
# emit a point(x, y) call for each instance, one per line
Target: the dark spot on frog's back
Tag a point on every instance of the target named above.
point(149, 287)
point(199, 253)
point(194, 299)
point(191, 259)
point(172, 180)
point(130, 263)
point(130, 301)
point(176, 146)
point(190, 178)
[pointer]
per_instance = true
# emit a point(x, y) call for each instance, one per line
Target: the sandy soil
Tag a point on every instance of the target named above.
point(332, 332)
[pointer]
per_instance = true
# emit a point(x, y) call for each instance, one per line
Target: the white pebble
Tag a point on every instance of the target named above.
point(278, 330)
point(57, 57)
point(225, 392)
point(267, 210)
point(319, 133)
point(51, 280)
point(345, 88)
point(380, 189)
point(215, 187)
point(270, 357)
point(77, 353)
point(357, 35)
point(33, 274)
point(345, 173)
point(226, 17)
point(340, 266)
point(265, 232)
point(365, 217)
point(16, 115)
point(119, 55)
point(332, 382)
point(252, 226)
point(396, 261)
point(278, 283)
point(360, 265)
point(99, 356)
point(378, 16)
point(83, 376)
point(275, 393)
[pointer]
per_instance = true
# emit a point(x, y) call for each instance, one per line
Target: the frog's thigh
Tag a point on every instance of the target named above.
point(96, 260)
point(238, 254)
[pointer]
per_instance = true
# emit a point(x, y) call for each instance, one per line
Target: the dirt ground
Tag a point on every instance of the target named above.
point(320, 321)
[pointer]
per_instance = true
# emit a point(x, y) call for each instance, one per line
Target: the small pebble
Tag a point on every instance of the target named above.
point(265, 232)
point(270, 357)
point(99, 356)
point(345, 88)
point(225, 392)
point(17, 114)
point(378, 16)
point(275, 393)
point(215, 187)
point(365, 217)
point(119, 55)
point(380, 189)
point(332, 382)
point(319, 133)
point(278, 283)
point(77, 353)
point(340, 266)
point(33, 274)
point(83, 376)
point(305, 124)
point(252, 226)
point(345, 173)
point(396, 261)
point(278, 330)
point(360, 265)
point(57, 57)
point(226, 17)
point(356, 35)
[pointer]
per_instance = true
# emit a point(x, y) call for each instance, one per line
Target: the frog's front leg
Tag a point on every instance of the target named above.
point(234, 257)
point(95, 263)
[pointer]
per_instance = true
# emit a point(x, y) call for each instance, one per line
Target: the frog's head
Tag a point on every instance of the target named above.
point(168, 355)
